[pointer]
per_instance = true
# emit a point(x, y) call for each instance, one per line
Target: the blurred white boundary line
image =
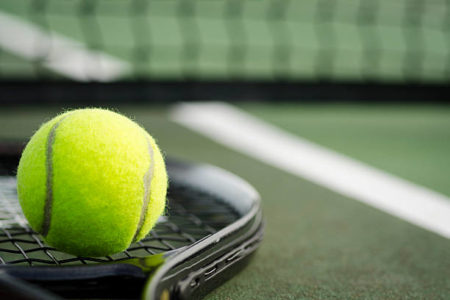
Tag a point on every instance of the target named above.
point(242, 132)
point(60, 54)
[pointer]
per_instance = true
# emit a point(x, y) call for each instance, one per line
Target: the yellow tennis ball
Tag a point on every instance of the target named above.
point(91, 181)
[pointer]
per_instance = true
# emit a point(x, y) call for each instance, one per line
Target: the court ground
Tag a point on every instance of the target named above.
point(318, 243)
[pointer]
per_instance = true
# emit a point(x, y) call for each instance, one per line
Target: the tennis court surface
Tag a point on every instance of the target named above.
point(336, 113)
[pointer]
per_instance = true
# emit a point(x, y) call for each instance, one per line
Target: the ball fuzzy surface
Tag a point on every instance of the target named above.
point(91, 181)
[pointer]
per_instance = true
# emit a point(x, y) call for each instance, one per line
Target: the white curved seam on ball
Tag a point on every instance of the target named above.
point(148, 176)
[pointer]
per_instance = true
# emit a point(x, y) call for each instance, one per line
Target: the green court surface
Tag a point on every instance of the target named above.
point(319, 244)
point(410, 141)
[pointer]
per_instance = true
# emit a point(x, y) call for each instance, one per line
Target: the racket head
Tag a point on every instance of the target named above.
point(212, 226)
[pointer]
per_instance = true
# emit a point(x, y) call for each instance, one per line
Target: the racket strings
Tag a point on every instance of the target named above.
point(191, 215)
point(204, 209)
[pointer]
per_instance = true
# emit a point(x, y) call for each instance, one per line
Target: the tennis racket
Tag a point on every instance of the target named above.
point(212, 227)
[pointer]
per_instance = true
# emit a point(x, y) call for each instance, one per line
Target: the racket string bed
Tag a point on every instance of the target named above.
point(188, 220)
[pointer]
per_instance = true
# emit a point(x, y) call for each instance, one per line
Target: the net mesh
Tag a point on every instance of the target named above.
point(110, 40)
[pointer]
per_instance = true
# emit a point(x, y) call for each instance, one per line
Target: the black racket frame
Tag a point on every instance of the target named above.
point(187, 273)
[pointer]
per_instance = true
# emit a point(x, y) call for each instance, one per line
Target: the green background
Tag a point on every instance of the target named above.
point(387, 41)
point(318, 244)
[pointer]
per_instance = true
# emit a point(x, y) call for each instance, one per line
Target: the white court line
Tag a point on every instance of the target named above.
point(60, 54)
point(240, 131)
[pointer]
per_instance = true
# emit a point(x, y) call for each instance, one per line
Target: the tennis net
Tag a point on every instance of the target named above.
point(111, 40)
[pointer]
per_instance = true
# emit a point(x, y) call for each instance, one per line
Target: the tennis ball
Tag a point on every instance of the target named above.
point(91, 181)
